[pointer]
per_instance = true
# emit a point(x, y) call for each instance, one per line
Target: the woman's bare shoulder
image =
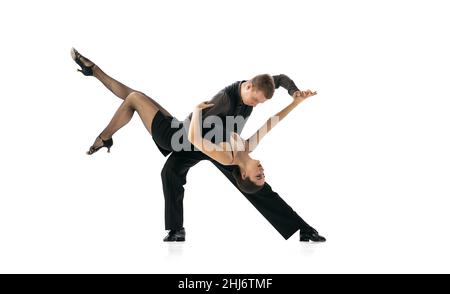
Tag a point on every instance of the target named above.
point(227, 147)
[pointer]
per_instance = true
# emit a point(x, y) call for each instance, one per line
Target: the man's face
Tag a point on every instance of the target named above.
point(251, 96)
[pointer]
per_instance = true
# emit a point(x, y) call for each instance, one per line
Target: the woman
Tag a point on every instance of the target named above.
point(249, 173)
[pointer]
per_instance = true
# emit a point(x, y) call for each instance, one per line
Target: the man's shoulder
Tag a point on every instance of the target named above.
point(233, 91)
point(228, 94)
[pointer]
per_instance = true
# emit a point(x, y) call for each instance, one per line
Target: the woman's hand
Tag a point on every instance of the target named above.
point(302, 95)
point(204, 105)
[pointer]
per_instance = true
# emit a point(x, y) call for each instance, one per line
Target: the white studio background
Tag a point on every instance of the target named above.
point(366, 161)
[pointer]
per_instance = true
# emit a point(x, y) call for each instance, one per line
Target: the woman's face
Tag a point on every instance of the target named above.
point(255, 172)
point(254, 169)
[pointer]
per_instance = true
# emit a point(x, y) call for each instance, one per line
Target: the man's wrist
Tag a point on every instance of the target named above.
point(296, 91)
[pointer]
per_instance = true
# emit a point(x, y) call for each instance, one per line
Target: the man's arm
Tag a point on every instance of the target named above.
point(254, 140)
point(285, 82)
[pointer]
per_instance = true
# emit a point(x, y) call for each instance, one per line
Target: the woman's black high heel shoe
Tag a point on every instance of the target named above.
point(81, 61)
point(106, 143)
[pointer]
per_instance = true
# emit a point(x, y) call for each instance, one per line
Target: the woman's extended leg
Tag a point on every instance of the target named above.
point(89, 68)
point(135, 101)
point(120, 90)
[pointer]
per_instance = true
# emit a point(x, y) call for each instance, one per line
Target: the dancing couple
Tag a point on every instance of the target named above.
point(190, 141)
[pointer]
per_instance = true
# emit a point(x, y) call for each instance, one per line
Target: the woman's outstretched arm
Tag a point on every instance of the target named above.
point(220, 153)
point(254, 140)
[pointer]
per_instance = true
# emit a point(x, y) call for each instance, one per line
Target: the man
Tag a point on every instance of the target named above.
point(236, 100)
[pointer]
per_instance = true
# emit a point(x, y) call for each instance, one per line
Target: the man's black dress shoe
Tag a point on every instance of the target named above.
point(311, 235)
point(176, 236)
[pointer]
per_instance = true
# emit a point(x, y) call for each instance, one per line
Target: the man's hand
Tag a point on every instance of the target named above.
point(302, 95)
point(204, 105)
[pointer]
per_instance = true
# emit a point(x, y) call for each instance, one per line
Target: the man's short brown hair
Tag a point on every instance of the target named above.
point(265, 84)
